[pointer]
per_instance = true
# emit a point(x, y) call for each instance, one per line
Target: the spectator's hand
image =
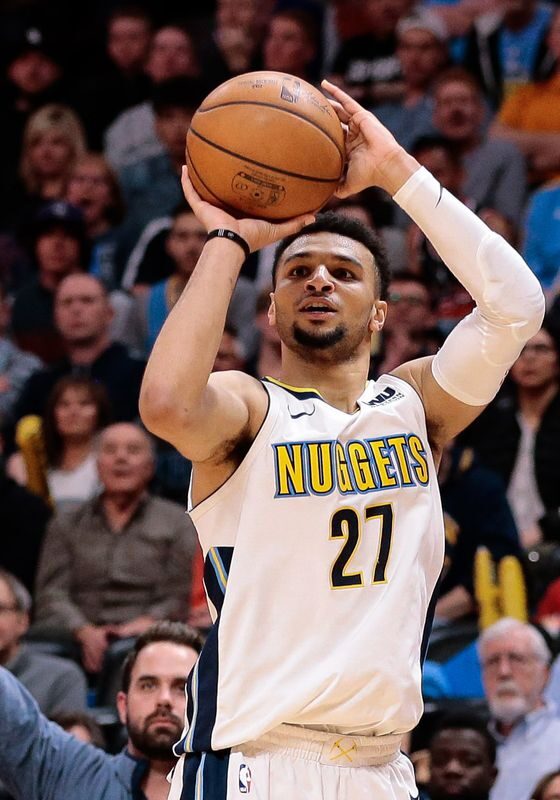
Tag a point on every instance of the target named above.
point(133, 628)
point(5, 384)
point(257, 233)
point(93, 642)
point(374, 157)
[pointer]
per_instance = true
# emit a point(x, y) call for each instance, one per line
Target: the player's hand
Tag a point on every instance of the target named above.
point(374, 157)
point(257, 233)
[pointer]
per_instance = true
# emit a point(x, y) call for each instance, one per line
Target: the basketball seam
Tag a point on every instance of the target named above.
point(225, 206)
point(278, 108)
point(267, 167)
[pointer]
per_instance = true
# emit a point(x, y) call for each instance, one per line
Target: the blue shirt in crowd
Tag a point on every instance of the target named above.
point(40, 761)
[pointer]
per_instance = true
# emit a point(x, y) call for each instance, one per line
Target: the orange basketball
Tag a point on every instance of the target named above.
point(266, 144)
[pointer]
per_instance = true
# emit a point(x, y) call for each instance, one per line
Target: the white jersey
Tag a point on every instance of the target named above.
point(322, 553)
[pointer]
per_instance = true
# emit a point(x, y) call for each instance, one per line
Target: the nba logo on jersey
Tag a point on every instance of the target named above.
point(244, 779)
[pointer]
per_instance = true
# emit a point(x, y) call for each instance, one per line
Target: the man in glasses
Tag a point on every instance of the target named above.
point(515, 659)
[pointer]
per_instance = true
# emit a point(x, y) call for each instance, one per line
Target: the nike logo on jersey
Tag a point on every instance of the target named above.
point(302, 413)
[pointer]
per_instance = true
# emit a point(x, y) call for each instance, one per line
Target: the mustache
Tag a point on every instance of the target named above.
point(163, 714)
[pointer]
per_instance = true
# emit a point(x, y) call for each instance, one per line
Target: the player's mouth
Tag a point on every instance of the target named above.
point(318, 309)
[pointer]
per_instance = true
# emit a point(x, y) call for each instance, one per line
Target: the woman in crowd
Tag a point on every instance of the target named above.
point(77, 409)
point(548, 788)
point(94, 188)
point(519, 434)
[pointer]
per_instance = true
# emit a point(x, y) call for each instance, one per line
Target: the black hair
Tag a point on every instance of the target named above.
point(178, 92)
point(164, 631)
point(551, 324)
point(69, 719)
point(467, 720)
point(331, 222)
point(436, 141)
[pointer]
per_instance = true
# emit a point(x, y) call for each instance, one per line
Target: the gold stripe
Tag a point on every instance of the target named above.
point(217, 563)
point(293, 388)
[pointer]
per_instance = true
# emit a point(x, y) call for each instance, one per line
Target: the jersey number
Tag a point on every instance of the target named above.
point(346, 524)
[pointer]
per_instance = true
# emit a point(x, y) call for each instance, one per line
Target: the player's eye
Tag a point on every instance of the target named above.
point(343, 274)
point(299, 271)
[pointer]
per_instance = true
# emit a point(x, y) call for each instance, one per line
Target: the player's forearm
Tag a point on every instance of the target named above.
point(493, 273)
point(183, 356)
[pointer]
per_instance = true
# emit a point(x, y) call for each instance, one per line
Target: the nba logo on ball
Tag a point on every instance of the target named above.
point(244, 779)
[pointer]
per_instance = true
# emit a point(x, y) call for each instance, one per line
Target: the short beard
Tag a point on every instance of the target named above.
point(509, 711)
point(319, 340)
point(155, 744)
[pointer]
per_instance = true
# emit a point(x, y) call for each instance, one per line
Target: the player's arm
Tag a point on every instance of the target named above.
point(180, 400)
point(464, 376)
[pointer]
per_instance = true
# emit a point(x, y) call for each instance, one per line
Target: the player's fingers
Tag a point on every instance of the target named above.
point(348, 103)
point(193, 198)
point(342, 114)
point(294, 225)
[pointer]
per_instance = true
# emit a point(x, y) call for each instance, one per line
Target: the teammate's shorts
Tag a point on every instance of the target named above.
point(299, 764)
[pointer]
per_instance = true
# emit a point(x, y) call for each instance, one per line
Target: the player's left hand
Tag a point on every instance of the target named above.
point(258, 233)
point(374, 157)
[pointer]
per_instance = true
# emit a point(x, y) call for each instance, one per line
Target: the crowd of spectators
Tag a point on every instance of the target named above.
point(96, 245)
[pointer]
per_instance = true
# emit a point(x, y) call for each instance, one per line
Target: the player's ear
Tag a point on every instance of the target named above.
point(272, 311)
point(378, 315)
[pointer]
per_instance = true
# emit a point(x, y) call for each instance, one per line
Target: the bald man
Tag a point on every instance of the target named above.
point(113, 565)
point(83, 317)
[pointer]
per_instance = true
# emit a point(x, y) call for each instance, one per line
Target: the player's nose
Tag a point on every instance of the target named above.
point(320, 280)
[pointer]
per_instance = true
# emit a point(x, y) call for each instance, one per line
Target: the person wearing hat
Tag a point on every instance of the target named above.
point(59, 248)
point(33, 75)
point(422, 50)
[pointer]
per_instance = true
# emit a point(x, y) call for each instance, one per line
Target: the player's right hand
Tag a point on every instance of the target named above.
point(258, 233)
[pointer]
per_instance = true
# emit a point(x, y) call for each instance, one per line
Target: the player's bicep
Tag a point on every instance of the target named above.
point(446, 416)
point(232, 407)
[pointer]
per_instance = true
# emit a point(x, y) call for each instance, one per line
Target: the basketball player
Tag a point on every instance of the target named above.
point(315, 497)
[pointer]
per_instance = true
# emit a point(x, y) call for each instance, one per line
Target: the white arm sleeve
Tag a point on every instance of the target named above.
point(477, 354)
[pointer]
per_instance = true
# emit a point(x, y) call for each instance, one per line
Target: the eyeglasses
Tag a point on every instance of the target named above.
point(4, 609)
point(412, 300)
point(537, 349)
point(514, 659)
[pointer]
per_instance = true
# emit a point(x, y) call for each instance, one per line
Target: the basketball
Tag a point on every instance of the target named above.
point(266, 144)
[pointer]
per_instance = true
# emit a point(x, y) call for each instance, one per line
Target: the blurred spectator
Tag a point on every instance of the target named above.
point(233, 44)
point(230, 355)
point(53, 139)
point(151, 705)
point(15, 365)
point(515, 660)
point(409, 322)
point(183, 245)
point(57, 684)
point(530, 117)
point(422, 52)
point(366, 65)
point(77, 409)
point(82, 726)
point(132, 136)
point(462, 759)
point(519, 433)
point(451, 300)
point(23, 519)
point(476, 514)
point(94, 188)
point(119, 81)
point(494, 169)
point(33, 77)
point(268, 361)
point(114, 565)
point(506, 47)
point(83, 317)
point(541, 237)
point(152, 186)
point(59, 244)
point(548, 788)
point(291, 44)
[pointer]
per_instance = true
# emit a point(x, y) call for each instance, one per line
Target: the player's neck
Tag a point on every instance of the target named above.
point(340, 385)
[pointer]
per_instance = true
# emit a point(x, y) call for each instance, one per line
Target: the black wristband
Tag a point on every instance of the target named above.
point(222, 233)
